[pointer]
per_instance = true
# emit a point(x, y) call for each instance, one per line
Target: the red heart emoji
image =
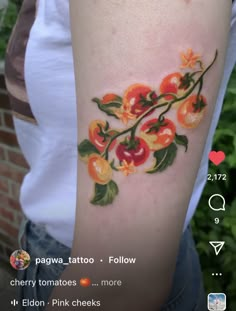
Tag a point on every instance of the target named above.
point(216, 157)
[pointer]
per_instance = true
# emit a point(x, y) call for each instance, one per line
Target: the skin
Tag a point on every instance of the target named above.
point(126, 42)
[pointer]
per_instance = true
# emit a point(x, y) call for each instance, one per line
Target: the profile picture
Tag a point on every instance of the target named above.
point(20, 259)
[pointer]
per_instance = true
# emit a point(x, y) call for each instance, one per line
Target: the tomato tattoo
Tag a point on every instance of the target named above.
point(100, 136)
point(134, 151)
point(158, 134)
point(145, 132)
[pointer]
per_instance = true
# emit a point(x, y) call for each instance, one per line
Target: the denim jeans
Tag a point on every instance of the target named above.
point(187, 292)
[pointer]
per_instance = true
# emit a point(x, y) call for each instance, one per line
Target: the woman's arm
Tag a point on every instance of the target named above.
point(153, 128)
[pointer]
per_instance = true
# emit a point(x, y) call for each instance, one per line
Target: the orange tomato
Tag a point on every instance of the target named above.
point(159, 136)
point(191, 111)
point(97, 138)
point(99, 169)
point(133, 97)
point(170, 84)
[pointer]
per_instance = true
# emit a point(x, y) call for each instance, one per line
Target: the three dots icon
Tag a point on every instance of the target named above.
point(216, 274)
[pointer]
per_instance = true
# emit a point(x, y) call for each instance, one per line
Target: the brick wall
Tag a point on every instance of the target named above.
point(13, 167)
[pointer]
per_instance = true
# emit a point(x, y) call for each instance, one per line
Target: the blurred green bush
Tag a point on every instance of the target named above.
point(203, 225)
point(7, 21)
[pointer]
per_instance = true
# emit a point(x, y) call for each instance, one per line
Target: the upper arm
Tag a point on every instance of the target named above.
point(140, 51)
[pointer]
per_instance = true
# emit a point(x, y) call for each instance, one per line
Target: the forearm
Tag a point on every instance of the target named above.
point(117, 44)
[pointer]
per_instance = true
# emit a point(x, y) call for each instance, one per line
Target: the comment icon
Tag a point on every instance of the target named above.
point(214, 203)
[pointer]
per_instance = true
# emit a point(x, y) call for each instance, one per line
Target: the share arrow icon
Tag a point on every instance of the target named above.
point(217, 246)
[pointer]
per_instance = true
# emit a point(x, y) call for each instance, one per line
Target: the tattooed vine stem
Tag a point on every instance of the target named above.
point(169, 104)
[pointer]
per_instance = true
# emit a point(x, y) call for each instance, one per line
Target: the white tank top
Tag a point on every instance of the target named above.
point(48, 192)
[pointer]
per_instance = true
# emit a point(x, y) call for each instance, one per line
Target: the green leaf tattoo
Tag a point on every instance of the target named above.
point(163, 159)
point(182, 140)
point(86, 148)
point(109, 108)
point(105, 194)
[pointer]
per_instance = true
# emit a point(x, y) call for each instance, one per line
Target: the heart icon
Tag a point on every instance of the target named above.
point(216, 157)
